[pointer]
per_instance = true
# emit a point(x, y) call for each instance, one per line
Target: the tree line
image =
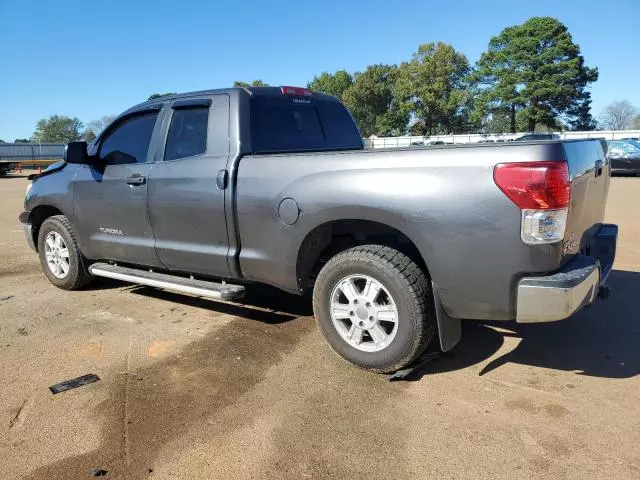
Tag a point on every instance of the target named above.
point(63, 129)
point(532, 77)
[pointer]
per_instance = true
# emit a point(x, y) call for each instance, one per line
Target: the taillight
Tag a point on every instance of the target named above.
point(542, 191)
point(540, 185)
point(296, 91)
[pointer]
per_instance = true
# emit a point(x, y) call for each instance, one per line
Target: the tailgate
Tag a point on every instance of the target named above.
point(589, 173)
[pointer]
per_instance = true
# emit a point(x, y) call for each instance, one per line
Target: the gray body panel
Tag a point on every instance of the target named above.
point(54, 190)
point(443, 199)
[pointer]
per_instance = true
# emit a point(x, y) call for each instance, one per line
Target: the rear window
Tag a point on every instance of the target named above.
point(287, 124)
point(187, 134)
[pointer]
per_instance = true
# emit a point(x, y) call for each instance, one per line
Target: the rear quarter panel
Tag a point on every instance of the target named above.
point(443, 199)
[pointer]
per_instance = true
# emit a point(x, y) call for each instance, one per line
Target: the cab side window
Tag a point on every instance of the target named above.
point(187, 135)
point(129, 141)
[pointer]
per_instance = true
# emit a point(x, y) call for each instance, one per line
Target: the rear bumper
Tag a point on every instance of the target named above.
point(558, 296)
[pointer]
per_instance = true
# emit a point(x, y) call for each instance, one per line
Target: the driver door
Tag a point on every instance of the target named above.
point(110, 196)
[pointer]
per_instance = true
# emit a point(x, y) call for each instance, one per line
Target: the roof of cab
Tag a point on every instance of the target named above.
point(257, 91)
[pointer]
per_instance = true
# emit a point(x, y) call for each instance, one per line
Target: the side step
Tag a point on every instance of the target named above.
point(219, 291)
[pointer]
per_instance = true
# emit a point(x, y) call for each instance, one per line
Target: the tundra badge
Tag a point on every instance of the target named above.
point(112, 231)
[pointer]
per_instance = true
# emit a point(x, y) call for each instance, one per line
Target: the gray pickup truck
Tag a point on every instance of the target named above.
point(207, 192)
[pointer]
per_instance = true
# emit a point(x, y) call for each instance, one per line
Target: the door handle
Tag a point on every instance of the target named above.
point(598, 168)
point(222, 179)
point(136, 180)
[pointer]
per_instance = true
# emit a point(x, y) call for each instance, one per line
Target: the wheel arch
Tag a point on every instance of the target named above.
point(38, 215)
point(332, 237)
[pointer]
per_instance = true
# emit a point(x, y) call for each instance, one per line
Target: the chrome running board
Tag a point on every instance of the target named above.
point(218, 291)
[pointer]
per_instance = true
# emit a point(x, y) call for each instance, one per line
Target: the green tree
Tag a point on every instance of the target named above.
point(636, 124)
point(372, 102)
point(332, 83)
point(255, 83)
point(536, 69)
point(95, 127)
point(57, 129)
point(497, 122)
point(22, 140)
point(431, 88)
point(159, 95)
point(2, 141)
point(579, 115)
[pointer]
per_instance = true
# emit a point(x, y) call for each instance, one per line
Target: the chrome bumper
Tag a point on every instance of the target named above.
point(560, 295)
point(556, 297)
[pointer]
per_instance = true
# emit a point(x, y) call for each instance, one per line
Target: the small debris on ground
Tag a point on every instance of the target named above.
point(99, 472)
point(23, 331)
point(73, 383)
point(405, 372)
point(6, 297)
point(18, 418)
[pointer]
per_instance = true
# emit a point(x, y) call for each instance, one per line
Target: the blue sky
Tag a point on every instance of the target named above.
point(89, 59)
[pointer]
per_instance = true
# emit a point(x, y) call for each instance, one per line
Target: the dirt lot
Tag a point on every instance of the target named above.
point(196, 389)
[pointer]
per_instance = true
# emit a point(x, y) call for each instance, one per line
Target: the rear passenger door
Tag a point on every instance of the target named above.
point(185, 206)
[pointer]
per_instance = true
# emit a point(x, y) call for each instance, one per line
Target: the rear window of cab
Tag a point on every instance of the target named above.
point(290, 124)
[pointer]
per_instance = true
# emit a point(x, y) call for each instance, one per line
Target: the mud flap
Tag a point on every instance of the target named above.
point(449, 329)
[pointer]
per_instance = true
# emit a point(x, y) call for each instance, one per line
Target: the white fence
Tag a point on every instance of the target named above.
point(399, 142)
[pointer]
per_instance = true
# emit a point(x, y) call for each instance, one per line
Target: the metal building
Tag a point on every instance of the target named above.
point(20, 152)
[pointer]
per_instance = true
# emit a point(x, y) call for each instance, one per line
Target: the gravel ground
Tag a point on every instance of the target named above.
point(197, 389)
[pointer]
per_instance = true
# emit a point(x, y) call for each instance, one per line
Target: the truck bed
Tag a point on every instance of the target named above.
point(443, 198)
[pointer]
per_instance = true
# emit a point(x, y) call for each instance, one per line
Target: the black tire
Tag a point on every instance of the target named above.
point(78, 274)
point(413, 298)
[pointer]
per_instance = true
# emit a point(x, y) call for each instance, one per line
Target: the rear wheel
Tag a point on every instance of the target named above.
point(373, 306)
point(60, 257)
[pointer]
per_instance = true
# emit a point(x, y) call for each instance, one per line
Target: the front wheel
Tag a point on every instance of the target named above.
point(60, 257)
point(373, 306)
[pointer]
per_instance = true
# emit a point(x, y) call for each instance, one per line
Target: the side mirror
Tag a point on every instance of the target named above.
point(76, 152)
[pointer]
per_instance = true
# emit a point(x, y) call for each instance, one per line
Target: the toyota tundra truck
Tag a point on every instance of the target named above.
point(208, 192)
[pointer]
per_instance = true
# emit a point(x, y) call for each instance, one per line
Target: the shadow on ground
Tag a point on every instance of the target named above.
point(152, 406)
point(600, 341)
point(103, 283)
point(262, 303)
